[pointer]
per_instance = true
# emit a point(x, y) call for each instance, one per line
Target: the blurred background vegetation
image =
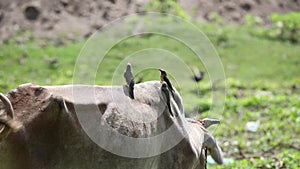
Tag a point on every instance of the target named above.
point(261, 57)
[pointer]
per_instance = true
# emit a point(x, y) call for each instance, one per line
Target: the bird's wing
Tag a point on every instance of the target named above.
point(166, 92)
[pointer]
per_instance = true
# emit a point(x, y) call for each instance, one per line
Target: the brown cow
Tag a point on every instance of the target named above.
point(63, 127)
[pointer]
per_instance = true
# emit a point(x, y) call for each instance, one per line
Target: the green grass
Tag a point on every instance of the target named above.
point(277, 138)
point(250, 58)
point(263, 83)
point(31, 63)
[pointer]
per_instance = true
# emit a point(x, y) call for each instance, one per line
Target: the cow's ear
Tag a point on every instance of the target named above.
point(7, 121)
point(213, 148)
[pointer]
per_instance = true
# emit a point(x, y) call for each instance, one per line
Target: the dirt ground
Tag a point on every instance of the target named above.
point(77, 18)
point(234, 10)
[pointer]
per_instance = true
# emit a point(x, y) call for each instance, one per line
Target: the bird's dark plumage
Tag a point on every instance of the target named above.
point(128, 75)
point(166, 93)
point(164, 78)
point(131, 89)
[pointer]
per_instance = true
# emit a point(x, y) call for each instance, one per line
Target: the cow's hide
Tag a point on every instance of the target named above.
point(52, 136)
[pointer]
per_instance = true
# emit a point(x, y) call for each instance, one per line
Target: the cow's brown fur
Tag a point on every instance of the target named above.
point(52, 138)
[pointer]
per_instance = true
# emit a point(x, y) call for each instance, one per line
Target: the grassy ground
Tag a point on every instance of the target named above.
point(263, 85)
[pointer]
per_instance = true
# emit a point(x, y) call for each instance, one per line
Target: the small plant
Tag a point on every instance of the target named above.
point(222, 37)
point(167, 6)
point(216, 30)
point(203, 107)
point(252, 20)
point(215, 17)
point(286, 27)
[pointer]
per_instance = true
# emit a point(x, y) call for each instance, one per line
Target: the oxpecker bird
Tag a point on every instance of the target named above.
point(198, 75)
point(166, 93)
point(129, 80)
point(164, 78)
